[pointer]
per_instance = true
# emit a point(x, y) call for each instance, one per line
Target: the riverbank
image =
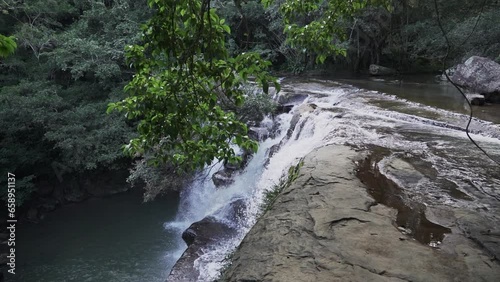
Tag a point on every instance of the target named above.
point(326, 227)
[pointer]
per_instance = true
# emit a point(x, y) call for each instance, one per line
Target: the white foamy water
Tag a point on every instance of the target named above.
point(346, 115)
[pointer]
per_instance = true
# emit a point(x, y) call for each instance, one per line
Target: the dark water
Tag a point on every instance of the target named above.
point(118, 238)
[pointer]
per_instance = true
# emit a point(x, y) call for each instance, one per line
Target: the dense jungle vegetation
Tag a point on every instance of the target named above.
point(185, 64)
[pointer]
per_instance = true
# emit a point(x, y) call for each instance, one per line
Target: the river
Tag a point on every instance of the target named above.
point(117, 238)
point(422, 121)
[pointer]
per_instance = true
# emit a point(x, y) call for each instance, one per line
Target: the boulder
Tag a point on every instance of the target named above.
point(258, 133)
point(450, 72)
point(245, 158)
point(284, 109)
point(234, 212)
point(476, 99)
point(201, 235)
point(479, 75)
point(205, 231)
point(291, 98)
point(380, 70)
point(222, 178)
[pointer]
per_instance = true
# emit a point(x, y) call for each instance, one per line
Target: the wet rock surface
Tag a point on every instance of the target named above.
point(202, 235)
point(222, 178)
point(258, 133)
point(411, 218)
point(291, 97)
point(327, 227)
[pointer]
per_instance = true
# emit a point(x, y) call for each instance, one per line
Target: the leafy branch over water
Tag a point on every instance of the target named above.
point(183, 72)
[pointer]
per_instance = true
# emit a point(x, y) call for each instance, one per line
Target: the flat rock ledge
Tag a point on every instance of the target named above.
point(325, 227)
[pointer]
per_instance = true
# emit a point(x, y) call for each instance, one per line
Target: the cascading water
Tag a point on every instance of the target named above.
point(339, 114)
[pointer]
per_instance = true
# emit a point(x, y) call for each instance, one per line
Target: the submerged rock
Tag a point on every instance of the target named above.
point(476, 99)
point(380, 70)
point(479, 75)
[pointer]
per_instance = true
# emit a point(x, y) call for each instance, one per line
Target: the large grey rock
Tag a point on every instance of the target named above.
point(480, 75)
point(205, 231)
point(203, 234)
point(325, 227)
point(291, 97)
point(222, 178)
point(198, 236)
point(380, 70)
point(258, 133)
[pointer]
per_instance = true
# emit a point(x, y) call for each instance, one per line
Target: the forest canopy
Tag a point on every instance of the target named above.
point(183, 65)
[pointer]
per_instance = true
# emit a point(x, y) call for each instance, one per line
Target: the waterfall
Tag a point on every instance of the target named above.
point(335, 115)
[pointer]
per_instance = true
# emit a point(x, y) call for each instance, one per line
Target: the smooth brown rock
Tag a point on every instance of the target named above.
point(325, 227)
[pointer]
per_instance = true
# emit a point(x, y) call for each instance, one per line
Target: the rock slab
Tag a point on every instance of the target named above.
point(325, 227)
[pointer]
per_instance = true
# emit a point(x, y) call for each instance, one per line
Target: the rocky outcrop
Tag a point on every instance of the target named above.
point(479, 75)
point(222, 178)
point(225, 176)
point(199, 235)
point(205, 231)
point(300, 110)
point(203, 234)
point(291, 97)
point(326, 227)
point(258, 133)
point(377, 70)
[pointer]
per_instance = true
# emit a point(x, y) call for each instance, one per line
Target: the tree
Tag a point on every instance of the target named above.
point(183, 72)
point(68, 67)
point(7, 46)
point(314, 25)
